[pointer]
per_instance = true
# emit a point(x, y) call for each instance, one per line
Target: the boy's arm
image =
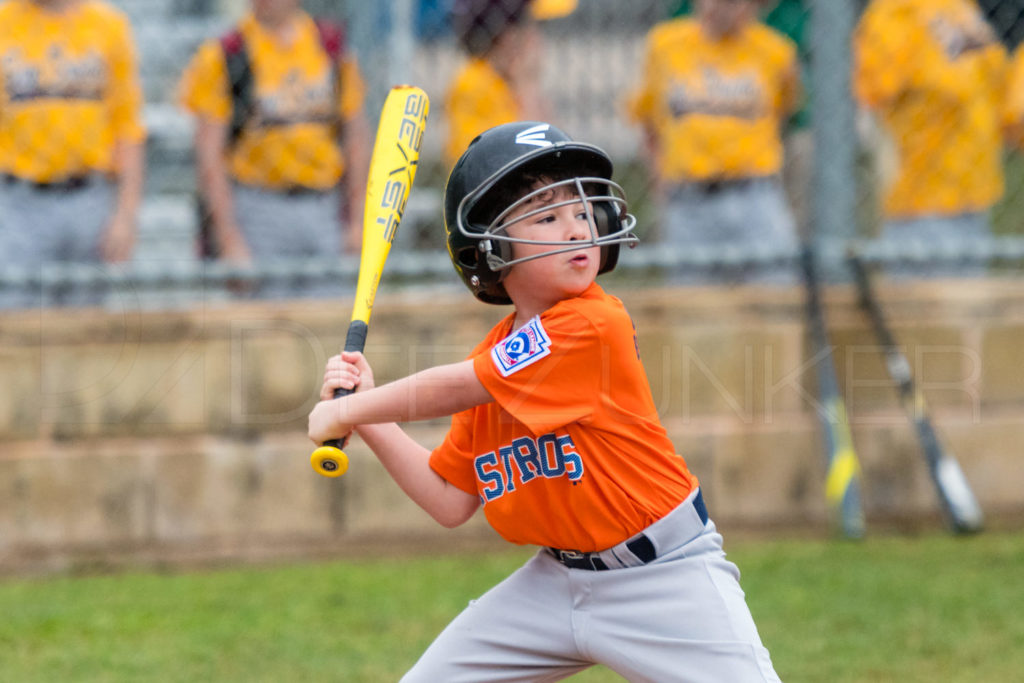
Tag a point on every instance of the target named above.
point(210, 145)
point(408, 463)
point(357, 137)
point(437, 392)
point(122, 229)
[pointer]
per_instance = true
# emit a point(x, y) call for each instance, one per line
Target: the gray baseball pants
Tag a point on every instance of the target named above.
point(42, 230)
point(748, 214)
point(680, 618)
point(929, 231)
point(280, 228)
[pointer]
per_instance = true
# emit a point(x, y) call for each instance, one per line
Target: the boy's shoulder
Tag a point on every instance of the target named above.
point(474, 75)
point(594, 310)
point(674, 30)
point(594, 299)
point(101, 10)
point(770, 39)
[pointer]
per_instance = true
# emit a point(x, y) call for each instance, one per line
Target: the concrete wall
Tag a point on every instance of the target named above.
point(146, 437)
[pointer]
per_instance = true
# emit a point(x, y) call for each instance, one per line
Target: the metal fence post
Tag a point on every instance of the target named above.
point(832, 110)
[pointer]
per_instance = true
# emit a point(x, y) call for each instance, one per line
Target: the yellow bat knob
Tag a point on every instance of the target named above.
point(329, 461)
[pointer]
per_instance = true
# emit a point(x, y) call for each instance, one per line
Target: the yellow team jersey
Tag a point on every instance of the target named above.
point(716, 107)
point(69, 89)
point(291, 139)
point(934, 71)
point(478, 99)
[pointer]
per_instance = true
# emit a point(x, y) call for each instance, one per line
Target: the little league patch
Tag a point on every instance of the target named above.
point(526, 345)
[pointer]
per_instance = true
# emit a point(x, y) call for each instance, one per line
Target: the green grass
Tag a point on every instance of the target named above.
point(930, 608)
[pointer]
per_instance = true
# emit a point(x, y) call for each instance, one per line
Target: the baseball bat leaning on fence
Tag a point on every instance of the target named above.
point(393, 164)
point(842, 479)
point(958, 502)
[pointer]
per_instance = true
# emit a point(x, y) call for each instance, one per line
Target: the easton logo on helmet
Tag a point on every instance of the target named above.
point(534, 136)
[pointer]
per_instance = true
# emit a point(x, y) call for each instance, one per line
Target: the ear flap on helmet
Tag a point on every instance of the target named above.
point(607, 219)
point(498, 154)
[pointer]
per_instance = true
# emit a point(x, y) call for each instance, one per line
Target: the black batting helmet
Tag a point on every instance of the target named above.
point(477, 199)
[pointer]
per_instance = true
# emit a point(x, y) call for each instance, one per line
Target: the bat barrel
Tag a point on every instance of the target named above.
point(393, 167)
point(842, 485)
point(955, 494)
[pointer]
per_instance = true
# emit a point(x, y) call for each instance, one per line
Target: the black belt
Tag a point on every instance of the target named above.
point(716, 185)
point(299, 191)
point(289, 190)
point(69, 184)
point(641, 546)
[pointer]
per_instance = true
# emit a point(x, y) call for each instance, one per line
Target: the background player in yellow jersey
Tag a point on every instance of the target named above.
point(501, 79)
point(556, 436)
point(716, 90)
point(933, 72)
point(274, 187)
point(71, 137)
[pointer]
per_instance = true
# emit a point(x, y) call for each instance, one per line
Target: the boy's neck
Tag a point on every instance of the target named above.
point(526, 313)
point(527, 310)
point(55, 5)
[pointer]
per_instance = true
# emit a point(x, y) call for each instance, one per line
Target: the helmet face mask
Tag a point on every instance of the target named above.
point(603, 210)
point(514, 165)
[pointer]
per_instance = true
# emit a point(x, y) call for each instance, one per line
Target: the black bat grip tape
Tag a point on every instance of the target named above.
point(355, 340)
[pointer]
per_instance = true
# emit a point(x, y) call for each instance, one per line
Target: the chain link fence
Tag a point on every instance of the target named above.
point(843, 152)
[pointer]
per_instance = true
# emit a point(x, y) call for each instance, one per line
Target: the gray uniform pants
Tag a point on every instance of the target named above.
point(928, 231)
point(746, 215)
point(43, 229)
point(680, 618)
point(280, 227)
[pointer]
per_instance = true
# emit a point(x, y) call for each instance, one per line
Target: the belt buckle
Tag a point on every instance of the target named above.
point(569, 555)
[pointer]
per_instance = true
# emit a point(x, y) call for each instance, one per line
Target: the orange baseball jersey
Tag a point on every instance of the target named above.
point(478, 99)
point(570, 453)
point(291, 139)
point(935, 71)
point(69, 89)
point(716, 107)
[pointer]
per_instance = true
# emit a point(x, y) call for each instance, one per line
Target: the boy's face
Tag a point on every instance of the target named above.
point(560, 275)
point(724, 18)
point(274, 11)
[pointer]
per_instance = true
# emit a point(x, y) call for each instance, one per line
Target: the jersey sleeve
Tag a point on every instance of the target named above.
point(790, 86)
point(547, 373)
point(453, 459)
point(640, 103)
point(203, 88)
point(477, 99)
point(353, 89)
point(882, 56)
point(125, 87)
point(463, 104)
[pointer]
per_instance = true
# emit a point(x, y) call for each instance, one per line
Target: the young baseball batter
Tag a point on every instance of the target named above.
point(555, 433)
